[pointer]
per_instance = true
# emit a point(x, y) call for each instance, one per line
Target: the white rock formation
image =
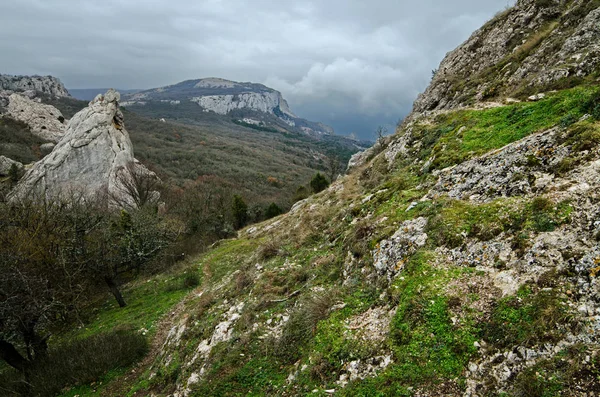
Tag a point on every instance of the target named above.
point(46, 84)
point(6, 164)
point(94, 158)
point(44, 121)
point(265, 102)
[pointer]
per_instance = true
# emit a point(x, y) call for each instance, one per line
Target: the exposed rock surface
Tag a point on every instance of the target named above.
point(44, 84)
point(519, 168)
point(490, 267)
point(533, 44)
point(6, 164)
point(44, 121)
point(94, 158)
point(267, 102)
point(390, 256)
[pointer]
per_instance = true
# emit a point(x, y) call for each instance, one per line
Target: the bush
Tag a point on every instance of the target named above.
point(319, 183)
point(191, 280)
point(240, 211)
point(301, 193)
point(272, 211)
point(269, 250)
point(79, 362)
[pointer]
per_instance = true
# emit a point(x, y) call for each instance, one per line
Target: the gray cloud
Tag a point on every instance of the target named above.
point(350, 63)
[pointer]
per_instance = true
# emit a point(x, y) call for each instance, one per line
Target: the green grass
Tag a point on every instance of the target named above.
point(489, 129)
point(428, 348)
point(528, 318)
point(226, 258)
point(146, 301)
point(451, 221)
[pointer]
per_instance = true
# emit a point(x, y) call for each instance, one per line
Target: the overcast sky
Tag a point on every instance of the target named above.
point(353, 64)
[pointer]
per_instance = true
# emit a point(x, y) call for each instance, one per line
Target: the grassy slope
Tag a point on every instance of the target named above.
point(303, 261)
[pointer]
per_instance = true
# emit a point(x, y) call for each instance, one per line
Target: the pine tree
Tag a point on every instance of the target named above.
point(240, 211)
point(272, 211)
point(319, 183)
point(14, 173)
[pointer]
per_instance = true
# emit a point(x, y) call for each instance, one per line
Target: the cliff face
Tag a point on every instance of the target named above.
point(536, 46)
point(45, 84)
point(94, 158)
point(267, 102)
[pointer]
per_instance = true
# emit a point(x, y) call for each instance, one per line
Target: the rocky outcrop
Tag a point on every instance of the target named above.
point(6, 164)
point(44, 84)
point(94, 158)
point(527, 48)
point(44, 121)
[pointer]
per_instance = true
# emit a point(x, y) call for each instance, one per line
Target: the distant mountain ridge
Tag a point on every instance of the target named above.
point(88, 94)
point(248, 102)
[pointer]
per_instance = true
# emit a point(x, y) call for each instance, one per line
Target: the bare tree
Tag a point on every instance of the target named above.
point(136, 186)
point(334, 167)
point(40, 283)
point(380, 134)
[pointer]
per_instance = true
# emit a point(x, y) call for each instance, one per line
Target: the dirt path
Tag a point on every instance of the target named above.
point(122, 385)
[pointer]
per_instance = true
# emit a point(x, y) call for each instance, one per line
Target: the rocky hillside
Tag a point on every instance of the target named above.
point(45, 84)
point(248, 103)
point(459, 258)
point(536, 46)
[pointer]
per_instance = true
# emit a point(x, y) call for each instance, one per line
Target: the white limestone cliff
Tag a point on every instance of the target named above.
point(266, 102)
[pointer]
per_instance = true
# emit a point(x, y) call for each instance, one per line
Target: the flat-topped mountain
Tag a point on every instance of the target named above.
point(248, 103)
point(45, 84)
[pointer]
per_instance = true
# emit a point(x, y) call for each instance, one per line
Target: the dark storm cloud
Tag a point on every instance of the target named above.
point(352, 63)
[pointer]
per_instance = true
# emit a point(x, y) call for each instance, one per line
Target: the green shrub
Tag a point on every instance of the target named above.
point(301, 193)
point(240, 211)
point(191, 280)
point(272, 211)
point(319, 183)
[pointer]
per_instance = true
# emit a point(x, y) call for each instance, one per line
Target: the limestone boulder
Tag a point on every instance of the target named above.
point(44, 121)
point(6, 164)
point(94, 159)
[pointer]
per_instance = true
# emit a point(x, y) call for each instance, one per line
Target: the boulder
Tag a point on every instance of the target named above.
point(44, 121)
point(93, 159)
point(47, 148)
point(6, 164)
